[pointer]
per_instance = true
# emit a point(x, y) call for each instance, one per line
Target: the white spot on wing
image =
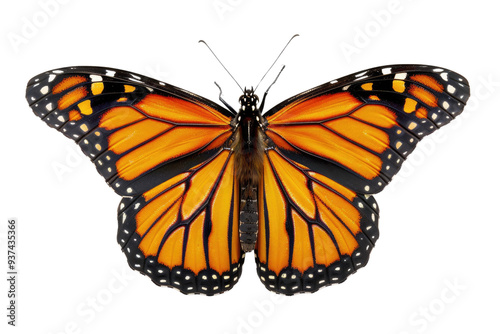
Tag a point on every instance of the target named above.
point(95, 78)
point(360, 74)
point(400, 76)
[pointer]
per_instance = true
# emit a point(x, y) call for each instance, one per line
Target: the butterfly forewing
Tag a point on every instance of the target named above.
point(136, 130)
point(358, 130)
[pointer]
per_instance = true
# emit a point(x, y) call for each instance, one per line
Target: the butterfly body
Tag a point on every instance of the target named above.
point(201, 184)
point(249, 146)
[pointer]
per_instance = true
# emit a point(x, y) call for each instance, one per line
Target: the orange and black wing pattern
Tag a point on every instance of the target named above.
point(329, 149)
point(313, 231)
point(184, 232)
point(359, 129)
point(162, 149)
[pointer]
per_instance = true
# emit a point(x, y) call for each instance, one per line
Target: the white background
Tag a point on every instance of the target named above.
point(435, 267)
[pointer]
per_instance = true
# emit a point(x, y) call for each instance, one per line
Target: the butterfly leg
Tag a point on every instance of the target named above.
point(228, 106)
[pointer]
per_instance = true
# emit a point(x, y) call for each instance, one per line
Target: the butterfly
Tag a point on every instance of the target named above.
point(203, 184)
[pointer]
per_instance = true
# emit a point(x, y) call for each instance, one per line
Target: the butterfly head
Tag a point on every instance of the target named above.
point(248, 102)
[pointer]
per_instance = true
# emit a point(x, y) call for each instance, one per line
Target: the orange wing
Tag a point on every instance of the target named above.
point(358, 130)
point(329, 148)
point(184, 232)
point(312, 231)
point(136, 130)
point(162, 149)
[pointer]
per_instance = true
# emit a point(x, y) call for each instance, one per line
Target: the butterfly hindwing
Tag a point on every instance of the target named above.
point(184, 232)
point(162, 149)
point(358, 130)
point(313, 231)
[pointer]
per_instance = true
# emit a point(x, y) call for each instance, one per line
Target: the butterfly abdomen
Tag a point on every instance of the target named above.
point(249, 156)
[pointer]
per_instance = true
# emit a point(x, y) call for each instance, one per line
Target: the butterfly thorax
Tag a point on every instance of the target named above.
point(248, 149)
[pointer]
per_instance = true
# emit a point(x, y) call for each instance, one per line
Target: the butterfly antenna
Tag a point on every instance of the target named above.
point(202, 41)
point(261, 108)
point(276, 61)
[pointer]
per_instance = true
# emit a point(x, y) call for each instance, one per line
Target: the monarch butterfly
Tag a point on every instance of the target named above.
point(202, 184)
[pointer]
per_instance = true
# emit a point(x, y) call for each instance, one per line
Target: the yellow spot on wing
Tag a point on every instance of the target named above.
point(412, 126)
point(410, 105)
point(97, 88)
point(398, 85)
point(367, 86)
point(84, 127)
point(85, 107)
point(128, 88)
